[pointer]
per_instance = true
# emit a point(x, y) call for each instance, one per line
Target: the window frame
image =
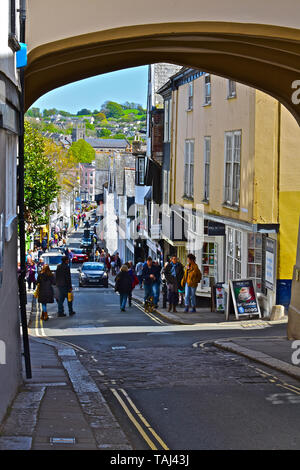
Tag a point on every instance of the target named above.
point(231, 93)
point(206, 172)
point(10, 184)
point(189, 168)
point(231, 175)
point(207, 89)
point(190, 96)
point(140, 181)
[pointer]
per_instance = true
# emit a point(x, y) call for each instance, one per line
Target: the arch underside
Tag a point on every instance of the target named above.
point(262, 56)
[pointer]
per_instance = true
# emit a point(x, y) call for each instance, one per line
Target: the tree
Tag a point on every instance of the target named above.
point(40, 180)
point(112, 109)
point(64, 163)
point(104, 133)
point(49, 112)
point(119, 136)
point(100, 116)
point(34, 113)
point(82, 151)
point(84, 112)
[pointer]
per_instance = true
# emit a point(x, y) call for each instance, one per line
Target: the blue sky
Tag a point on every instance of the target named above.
point(121, 86)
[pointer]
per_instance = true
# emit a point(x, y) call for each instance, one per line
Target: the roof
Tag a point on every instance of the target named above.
point(107, 143)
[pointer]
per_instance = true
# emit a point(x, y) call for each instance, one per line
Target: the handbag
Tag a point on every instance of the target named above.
point(70, 297)
point(37, 291)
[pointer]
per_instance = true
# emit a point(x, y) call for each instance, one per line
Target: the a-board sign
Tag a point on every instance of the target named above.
point(242, 297)
point(220, 297)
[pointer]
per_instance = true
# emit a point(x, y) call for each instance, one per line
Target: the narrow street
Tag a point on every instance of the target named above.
point(167, 394)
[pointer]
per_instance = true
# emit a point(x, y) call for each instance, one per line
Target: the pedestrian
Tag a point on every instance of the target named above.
point(31, 274)
point(64, 285)
point(40, 265)
point(148, 275)
point(139, 272)
point(134, 279)
point(118, 263)
point(113, 265)
point(97, 256)
point(173, 272)
point(192, 277)
point(76, 226)
point(123, 285)
point(108, 262)
point(102, 257)
point(45, 283)
point(156, 283)
point(44, 244)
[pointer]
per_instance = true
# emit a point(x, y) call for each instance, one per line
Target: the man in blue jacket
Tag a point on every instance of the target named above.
point(149, 276)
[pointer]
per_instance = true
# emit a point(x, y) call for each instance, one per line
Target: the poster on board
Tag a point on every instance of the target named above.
point(220, 297)
point(244, 298)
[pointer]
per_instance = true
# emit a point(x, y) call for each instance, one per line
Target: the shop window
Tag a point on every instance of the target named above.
point(255, 254)
point(209, 263)
point(234, 254)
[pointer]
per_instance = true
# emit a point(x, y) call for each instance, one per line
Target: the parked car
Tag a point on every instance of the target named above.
point(93, 273)
point(79, 256)
point(53, 258)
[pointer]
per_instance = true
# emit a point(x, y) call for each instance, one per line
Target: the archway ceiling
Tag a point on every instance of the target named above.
point(262, 56)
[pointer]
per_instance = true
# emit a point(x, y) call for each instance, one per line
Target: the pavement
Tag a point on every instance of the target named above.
point(61, 407)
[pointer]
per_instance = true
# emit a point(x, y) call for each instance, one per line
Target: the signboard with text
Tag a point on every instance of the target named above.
point(244, 298)
point(270, 263)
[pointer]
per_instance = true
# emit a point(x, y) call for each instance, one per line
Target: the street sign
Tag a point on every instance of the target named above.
point(242, 297)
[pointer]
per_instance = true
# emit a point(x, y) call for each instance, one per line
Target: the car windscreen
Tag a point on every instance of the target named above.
point(93, 267)
point(52, 259)
point(77, 252)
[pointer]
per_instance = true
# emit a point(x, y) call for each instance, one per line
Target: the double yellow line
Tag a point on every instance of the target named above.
point(149, 314)
point(146, 431)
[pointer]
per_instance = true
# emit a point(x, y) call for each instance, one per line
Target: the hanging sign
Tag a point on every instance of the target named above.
point(243, 297)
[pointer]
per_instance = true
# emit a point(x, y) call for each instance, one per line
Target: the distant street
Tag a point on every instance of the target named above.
point(164, 392)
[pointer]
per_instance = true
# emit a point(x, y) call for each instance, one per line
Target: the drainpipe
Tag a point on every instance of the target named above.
point(22, 288)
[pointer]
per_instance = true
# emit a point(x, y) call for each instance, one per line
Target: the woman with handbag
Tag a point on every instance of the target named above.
point(45, 292)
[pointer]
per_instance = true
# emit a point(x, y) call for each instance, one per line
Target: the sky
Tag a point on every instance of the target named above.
point(123, 85)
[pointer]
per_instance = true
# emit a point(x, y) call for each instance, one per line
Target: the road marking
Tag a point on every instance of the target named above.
point(100, 372)
point(134, 421)
point(150, 315)
point(164, 446)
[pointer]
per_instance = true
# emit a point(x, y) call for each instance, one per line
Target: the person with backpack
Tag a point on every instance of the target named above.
point(192, 277)
point(123, 285)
